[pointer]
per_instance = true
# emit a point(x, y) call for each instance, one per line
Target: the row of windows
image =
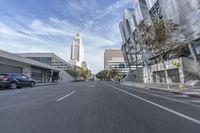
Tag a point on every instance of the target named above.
point(45, 60)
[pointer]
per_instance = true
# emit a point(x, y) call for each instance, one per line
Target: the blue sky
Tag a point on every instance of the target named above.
point(50, 26)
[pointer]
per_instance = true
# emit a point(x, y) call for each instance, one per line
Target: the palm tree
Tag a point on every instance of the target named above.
point(158, 38)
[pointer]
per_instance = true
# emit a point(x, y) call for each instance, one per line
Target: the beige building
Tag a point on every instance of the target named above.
point(112, 58)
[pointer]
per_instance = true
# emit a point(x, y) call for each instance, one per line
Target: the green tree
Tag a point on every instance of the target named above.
point(104, 74)
point(85, 73)
point(159, 38)
point(107, 74)
point(113, 73)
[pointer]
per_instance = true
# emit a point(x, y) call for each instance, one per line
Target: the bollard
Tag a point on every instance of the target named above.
point(181, 87)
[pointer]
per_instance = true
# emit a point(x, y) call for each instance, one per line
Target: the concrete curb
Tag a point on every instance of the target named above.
point(189, 94)
point(46, 84)
point(165, 90)
point(195, 95)
point(192, 94)
point(137, 86)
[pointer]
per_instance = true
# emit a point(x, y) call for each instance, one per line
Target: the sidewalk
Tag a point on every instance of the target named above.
point(44, 84)
point(174, 88)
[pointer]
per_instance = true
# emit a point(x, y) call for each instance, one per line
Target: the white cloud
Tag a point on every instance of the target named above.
point(87, 34)
point(14, 41)
point(113, 7)
point(36, 34)
point(33, 40)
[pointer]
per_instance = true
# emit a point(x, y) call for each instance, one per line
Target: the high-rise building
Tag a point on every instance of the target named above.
point(77, 51)
point(182, 62)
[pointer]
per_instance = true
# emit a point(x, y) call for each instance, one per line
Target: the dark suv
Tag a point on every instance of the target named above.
point(14, 81)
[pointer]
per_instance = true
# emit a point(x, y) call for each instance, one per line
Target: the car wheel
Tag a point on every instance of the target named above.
point(13, 85)
point(32, 84)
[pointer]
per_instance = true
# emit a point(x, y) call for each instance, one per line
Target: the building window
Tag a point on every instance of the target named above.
point(155, 11)
point(45, 60)
point(198, 50)
point(196, 45)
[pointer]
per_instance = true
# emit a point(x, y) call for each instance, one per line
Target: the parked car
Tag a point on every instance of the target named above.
point(14, 81)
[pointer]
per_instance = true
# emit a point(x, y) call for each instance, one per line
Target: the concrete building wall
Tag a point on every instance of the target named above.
point(26, 70)
point(5, 68)
point(180, 70)
point(191, 69)
point(65, 77)
point(25, 64)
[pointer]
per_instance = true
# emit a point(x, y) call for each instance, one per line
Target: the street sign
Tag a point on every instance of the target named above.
point(121, 65)
point(175, 64)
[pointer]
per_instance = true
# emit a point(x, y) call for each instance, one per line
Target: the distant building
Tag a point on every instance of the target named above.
point(41, 72)
point(77, 51)
point(113, 58)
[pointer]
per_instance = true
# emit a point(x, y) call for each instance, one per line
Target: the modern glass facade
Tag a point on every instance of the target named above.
point(185, 13)
point(130, 48)
point(45, 60)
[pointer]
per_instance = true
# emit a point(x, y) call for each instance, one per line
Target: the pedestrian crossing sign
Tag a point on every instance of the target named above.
point(175, 64)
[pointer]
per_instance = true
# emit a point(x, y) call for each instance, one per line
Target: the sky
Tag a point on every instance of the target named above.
point(50, 26)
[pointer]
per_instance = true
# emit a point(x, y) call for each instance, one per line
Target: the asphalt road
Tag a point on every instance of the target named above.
point(96, 107)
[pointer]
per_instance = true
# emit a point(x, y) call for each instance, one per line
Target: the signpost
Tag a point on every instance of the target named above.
point(175, 64)
point(121, 66)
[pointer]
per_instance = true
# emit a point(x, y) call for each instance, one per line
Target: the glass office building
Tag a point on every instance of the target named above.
point(185, 13)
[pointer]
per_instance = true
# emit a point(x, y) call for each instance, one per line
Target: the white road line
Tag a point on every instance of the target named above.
point(194, 101)
point(172, 99)
point(7, 93)
point(65, 96)
point(159, 106)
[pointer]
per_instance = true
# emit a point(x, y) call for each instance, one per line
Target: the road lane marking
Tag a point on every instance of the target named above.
point(65, 96)
point(157, 105)
point(7, 93)
point(172, 99)
point(194, 101)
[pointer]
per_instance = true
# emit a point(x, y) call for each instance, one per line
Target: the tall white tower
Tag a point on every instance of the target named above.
point(77, 51)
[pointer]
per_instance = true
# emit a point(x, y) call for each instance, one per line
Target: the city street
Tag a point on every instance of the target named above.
point(96, 107)
point(100, 66)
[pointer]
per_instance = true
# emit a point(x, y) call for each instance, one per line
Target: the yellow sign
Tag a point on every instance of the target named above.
point(181, 87)
point(175, 64)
